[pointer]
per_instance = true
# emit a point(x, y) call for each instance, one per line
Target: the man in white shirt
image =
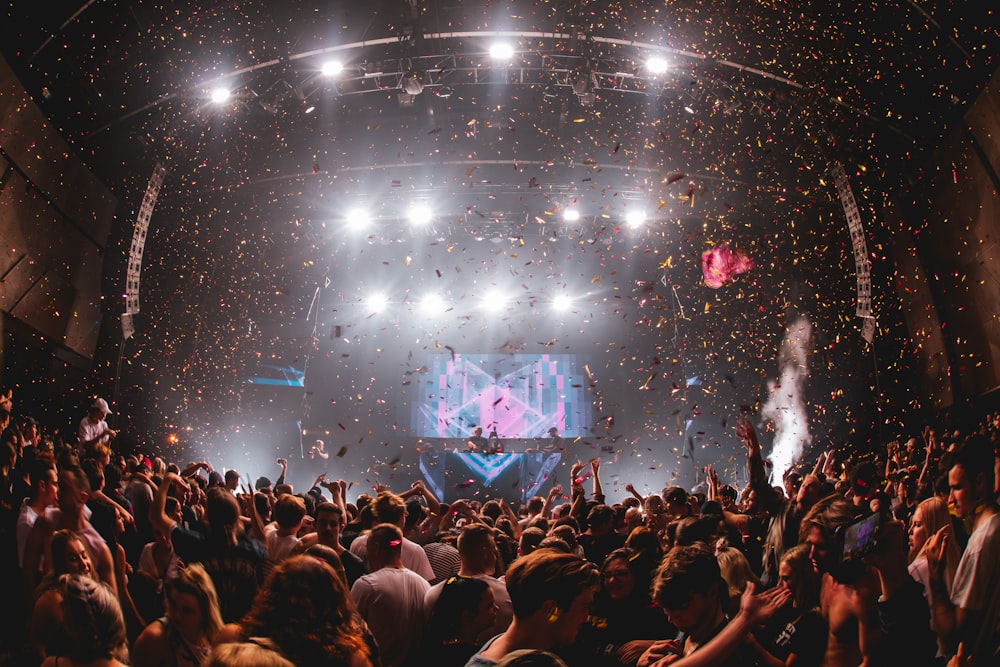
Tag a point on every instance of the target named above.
point(93, 430)
point(390, 508)
point(391, 597)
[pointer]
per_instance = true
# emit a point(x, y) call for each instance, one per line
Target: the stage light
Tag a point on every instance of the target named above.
point(377, 302)
point(220, 95)
point(635, 218)
point(420, 215)
point(432, 304)
point(494, 300)
point(562, 303)
point(571, 215)
point(501, 51)
point(657, 65)
point(359, 219)
point(332, 68)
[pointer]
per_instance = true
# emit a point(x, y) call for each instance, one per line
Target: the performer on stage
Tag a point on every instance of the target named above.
point(554, 443)
point(318, 450)
point(477, 443)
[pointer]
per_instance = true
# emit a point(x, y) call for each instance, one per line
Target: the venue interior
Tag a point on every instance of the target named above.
point(254, 225)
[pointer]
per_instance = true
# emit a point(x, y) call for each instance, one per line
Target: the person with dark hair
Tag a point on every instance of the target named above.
point(391, 597)
point(623, 620)
point(969, 613)
point(44, 493)
point(74, 490)
point(600, 538)
point(329, 523)
point(235, 562)
point(690, 589)
point(45, 630)
point(550, 593)
point(304, 613)
point(460, 613)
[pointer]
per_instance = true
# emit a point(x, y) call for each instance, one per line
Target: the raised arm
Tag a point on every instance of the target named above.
point(598, 490)
point(158, 510)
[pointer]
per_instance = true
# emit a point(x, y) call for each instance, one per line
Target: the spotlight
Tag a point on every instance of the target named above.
point(562, 303)
point(332, 68)
point(420, 215)
point(494, 300)
point(444, 92)
point(377, 302)
point(220, 95)
point(358, 219)
point(656, 65)
point(571, 215)
point(432, 304)
point(635, 218)
point(501, 51)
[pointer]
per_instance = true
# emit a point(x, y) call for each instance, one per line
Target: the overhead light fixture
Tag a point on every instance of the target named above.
point(657, 65)
point(501, 51)
point(412, 84)
point(444, 92)
point(220, 95)
point(377, 302)
point(571, 215)
point(550, 92)
point(405, 101)
point(332, 68)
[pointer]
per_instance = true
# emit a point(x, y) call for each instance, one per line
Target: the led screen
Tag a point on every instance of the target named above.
point(517, 395)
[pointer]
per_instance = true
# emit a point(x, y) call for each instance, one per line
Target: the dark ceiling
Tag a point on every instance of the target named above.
point(249, 256)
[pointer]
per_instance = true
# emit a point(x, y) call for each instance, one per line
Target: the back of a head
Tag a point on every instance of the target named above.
point(221, 508)
point(829, 515)
point(600, 515)
point(530, 539)
point(546, 574)
point(388, 508)
point(92, 620)
point(289, 511)
point(736, 570)
point(476, 541)
point(686, 571)
point(246, 654)
point(531, 658)
point(387, 537)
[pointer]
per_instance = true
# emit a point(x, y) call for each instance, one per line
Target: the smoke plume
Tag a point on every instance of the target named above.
point(785, 406)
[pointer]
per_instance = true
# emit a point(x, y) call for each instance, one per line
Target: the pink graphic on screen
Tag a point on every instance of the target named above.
point(519, 396)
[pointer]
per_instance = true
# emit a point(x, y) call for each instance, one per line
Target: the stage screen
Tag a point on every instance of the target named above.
point(517, 395)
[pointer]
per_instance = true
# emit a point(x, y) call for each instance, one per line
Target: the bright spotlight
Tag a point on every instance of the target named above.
point(635, 218)
point(656, 65)
point(220, 95)
point(562, 303)
point(495, 300)
point(331, 68)
point(571, 215)
point(420, 215)
point(501, 51)
point(432, 304)
point(377, 302)
point(359, 219)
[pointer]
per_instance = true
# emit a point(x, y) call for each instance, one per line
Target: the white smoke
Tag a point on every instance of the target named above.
point(785, 406)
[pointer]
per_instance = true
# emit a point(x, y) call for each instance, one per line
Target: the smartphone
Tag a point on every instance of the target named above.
point(860, 537)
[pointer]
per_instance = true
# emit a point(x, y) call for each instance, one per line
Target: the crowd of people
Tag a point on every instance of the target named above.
point(887, 558)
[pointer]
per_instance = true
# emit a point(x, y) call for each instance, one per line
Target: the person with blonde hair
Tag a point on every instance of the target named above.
point(736, 571)
point(185, 636)
point(246, 654)
point(931, 516)
point(93, 624)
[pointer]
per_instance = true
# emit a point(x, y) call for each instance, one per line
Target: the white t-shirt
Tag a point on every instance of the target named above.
point(977, 582)
point(413, 555)
point(90, 429)
point(391, 601)
point(26, 518)
point(505, 612)
point(279, 547)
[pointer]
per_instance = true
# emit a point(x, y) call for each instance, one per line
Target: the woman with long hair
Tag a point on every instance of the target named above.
point(931, 516)
point(45, 631)
point(737, 572)
point(305, 613)
point(184, 637)
point(796, 634)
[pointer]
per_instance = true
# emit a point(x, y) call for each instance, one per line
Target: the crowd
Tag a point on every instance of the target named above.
point(889, 558)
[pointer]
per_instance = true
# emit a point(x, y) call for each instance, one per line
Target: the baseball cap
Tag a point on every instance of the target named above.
point(102, 405)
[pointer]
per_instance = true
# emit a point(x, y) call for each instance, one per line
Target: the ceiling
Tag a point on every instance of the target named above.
point(250, 255)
